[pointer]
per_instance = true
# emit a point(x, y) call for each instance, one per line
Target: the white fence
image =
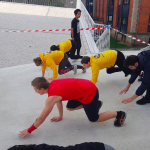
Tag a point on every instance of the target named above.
point(98, 40)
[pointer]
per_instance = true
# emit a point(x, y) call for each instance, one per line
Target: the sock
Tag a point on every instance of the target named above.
point(119, 113)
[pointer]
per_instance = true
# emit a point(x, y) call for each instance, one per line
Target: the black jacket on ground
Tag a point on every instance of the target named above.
point(82, 146)
point(144, 65)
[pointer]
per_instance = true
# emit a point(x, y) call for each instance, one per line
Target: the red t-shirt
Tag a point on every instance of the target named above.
point(73, 89)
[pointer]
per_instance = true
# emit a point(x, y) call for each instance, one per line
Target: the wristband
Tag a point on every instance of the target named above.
point(32, 128)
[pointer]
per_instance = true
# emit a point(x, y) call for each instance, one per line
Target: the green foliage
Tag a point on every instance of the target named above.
point(114, 44)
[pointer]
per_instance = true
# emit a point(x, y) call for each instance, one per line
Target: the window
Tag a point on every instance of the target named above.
point(124, 21)
point(111, 2)
point(110, 18)
point(148, 30)
point(126, 1)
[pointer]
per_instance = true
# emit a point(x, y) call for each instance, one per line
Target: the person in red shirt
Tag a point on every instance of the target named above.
point(80, 93)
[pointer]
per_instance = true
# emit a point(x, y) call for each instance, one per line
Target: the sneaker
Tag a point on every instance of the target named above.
point(100, 103)
point(75, 69)
point(142, 101)
point(141, 77)
point(126, 75)
point(84, 70)
point(120, 119)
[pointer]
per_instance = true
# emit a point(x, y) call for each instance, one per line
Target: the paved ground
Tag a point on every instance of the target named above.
point(21, 48)
point(20, 105)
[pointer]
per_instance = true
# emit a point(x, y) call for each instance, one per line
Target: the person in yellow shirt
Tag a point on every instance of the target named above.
point(107, 59)
point(69, 47)
point(51, 59)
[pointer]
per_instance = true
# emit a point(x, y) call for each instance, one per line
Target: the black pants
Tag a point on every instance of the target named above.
point(72, 51)
point(90, 109)
point(119, 63)
point(147, 96)
point(65, 66)
point(78, 41)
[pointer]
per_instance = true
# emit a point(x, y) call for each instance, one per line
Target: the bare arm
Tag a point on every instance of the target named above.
point(60, 109)
point(50, 102)
point(72, 34)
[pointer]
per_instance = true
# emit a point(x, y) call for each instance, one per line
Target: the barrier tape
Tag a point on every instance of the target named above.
point(132, 37)
point(52, 30)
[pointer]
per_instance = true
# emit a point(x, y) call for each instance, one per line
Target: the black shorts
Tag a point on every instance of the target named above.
point(90, 109)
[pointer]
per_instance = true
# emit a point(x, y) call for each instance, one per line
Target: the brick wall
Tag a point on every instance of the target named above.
point(130, 15)
point(144, 16)
point(115, 14)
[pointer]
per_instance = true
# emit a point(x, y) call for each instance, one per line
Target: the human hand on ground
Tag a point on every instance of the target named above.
point(56, 118)
point(124, 91)
point(128, 100)
point(23, 133)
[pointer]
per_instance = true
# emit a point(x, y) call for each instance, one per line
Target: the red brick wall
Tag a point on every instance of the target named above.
point(115, 14)
point(130, 15)
point(101, 9)
point(144, 16)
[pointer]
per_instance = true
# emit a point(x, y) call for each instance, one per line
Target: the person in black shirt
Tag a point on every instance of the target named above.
point(139, 63)
point(82, 146)
point(75, 30)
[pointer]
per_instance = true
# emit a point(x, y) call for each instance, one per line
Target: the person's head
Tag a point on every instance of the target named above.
point(38, 61)
point(23, 147)
point(54, 47)
point(85, 62)
point(77, 13)
point(40, 85)
point(131, 62)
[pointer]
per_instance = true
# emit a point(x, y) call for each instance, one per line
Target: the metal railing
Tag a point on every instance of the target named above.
point(56, 3)
point(98, 40)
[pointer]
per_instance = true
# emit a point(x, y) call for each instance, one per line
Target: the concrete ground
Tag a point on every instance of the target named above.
point(20, 105)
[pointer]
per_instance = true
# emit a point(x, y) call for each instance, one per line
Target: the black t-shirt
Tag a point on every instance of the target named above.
point(82, 146)
point(76, 27)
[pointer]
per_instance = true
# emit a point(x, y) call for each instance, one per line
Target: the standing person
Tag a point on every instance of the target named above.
point(139, 63)
point(82, 146)
point(69, 47)
point(51, 59)
point(75, 30)
point(80, 93)
point(107, 59)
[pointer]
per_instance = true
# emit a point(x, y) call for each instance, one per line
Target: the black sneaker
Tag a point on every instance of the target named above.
point(142, 101)
point(100, 103)
point(120, 119)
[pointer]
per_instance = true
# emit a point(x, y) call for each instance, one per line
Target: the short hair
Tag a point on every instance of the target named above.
point(76, 11)
point(54, 47)
point(85, 60)
point(40, 82)
point(23, 147)
point(37, 61)
point(130, 60)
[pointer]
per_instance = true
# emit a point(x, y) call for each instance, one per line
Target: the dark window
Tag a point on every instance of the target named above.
point(148, 30)
point(126, 1)
point(111, 2)
point(110, 18)
point(124, 20)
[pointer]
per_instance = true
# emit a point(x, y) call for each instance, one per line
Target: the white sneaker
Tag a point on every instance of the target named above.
point(84, 70)
point(75, 69)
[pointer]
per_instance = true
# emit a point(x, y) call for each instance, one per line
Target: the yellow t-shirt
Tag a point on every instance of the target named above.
point(65, 46)
point(51, 59)
point(100, 61)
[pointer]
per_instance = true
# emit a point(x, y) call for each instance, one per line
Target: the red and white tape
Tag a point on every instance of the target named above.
point(52, 30)
point(132, 37)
